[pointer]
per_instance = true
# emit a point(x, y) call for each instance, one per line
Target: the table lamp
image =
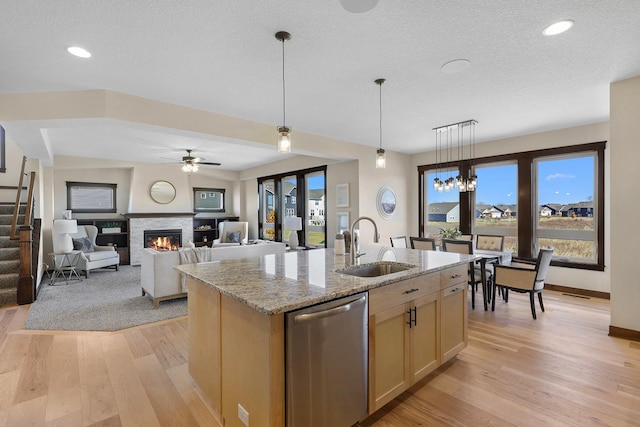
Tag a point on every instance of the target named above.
point(293, 223)
point(65, 227)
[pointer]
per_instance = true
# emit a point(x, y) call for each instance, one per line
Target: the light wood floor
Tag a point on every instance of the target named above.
point(561, 369)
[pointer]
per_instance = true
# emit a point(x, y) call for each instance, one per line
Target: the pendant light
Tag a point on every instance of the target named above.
point(381, 158)
point(463, 181)
point(284, 132)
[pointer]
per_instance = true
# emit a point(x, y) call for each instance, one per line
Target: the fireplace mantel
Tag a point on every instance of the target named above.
point(159, 214)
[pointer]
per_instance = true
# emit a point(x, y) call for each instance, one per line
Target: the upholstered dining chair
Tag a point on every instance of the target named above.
point(489, 243)
point(427, 243)
point(398, 242)
point(465, 247)
point(524, 278)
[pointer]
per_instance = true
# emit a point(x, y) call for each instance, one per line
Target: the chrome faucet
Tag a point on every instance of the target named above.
point(355, 243)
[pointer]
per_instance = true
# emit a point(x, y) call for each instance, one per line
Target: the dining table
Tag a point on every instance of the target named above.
point(490, 257)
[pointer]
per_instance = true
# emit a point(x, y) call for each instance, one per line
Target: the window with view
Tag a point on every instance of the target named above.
point(496, 203)
point(551, 197)
point(293, 194)
point(89, 197)
point(442, 207)
point(566, 218)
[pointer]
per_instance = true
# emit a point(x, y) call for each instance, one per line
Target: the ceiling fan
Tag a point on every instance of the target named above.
point(191, 163)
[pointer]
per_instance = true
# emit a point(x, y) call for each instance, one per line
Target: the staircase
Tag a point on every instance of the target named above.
point(9, 255)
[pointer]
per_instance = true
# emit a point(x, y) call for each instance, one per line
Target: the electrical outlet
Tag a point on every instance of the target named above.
point(243, 415)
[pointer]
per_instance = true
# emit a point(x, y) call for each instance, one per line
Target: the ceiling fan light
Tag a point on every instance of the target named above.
point(284, 139)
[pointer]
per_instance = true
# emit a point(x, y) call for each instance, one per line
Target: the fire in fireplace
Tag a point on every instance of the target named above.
point(163, 240)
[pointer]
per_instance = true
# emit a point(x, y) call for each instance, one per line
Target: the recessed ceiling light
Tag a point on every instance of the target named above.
point(455, 66)
point(79, 52)
point(558, 28)
point(358, 6)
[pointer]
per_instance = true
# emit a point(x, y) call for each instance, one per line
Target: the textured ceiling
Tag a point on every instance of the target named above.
point(221, 56)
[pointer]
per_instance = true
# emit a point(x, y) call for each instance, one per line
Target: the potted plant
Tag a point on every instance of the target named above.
point(450, 233)
point(111, 228)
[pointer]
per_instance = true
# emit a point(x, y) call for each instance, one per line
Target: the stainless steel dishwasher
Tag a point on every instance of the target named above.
point(326, 363)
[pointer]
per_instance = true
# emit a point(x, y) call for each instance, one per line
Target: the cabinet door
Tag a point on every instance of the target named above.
point(388, 350)
point(453, 320)
point(425, 336)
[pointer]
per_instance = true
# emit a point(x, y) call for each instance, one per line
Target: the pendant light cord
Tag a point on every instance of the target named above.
point(284, 114)
point(380, 84)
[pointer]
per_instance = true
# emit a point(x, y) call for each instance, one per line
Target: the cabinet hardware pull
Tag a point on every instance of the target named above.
point(410, 291)
point(415, 316)
point(455, 276)
point(410, 319)
point(455, 290)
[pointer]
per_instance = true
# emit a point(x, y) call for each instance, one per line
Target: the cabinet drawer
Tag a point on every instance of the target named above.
point(454, 275)
point(399, 293)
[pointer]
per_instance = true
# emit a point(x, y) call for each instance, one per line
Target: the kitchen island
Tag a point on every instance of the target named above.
point(237, 327)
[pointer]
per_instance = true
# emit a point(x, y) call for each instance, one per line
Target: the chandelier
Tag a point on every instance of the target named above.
point(462, 131)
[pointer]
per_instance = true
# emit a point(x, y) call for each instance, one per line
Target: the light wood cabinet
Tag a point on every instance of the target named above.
point(403, 339)
point(414, 326)
point(454, 316)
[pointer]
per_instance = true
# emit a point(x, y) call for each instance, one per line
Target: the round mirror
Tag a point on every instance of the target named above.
point(163, 192)
point(386, 202)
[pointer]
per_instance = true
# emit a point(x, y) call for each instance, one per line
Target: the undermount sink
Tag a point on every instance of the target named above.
point(376, 269)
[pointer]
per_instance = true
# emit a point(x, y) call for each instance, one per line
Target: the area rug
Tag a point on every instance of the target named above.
point(107, 301)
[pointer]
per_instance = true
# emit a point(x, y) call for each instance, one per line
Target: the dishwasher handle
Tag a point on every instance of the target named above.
point(308, 317)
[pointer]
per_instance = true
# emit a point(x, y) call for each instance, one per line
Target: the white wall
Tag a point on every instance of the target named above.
point(573, 278)
point(625, 152)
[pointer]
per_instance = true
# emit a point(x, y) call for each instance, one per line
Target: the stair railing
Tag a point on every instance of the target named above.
point(26, 292)
point(14, 235)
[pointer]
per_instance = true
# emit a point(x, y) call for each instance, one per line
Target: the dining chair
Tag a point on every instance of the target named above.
point(427, 243)
point(465, 247)
point(466, 237)
point(398, 242)
point(524, 278)
point(490, 243)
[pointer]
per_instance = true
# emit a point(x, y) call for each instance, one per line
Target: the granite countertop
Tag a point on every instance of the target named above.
point(274, 284)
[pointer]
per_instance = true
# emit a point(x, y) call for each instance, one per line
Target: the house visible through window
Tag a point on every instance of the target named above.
point(208, 199)
point(535, 199)
point(299, 193)
point(91, 197)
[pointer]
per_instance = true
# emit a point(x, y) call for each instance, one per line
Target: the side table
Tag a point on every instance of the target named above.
point(64, 264)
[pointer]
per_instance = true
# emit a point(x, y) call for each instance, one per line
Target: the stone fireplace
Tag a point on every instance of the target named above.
point(139, 222)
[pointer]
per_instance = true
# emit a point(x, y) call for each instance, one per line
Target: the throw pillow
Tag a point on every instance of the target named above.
point(233, 237)
point(83, 244)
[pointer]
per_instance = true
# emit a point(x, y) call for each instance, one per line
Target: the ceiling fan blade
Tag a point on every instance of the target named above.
point(209, 163)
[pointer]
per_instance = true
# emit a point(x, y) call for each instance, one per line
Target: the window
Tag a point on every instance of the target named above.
point(89, 197)
point(298, 193)
point(566, 218)
point(496, 202)
point(208, 199)
point(442, 207)
point(315, 229)
point(552, 197)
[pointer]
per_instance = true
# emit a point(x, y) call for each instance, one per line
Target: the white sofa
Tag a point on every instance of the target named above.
point(162, 281)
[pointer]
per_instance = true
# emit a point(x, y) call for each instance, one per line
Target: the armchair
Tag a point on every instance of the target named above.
point(227, 229)
point(92, 256)
point(524, 278)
